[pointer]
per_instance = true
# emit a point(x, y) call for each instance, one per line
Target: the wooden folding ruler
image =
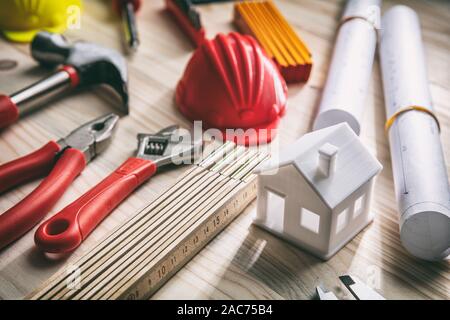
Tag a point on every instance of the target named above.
point(264, 21)
point(143, 253)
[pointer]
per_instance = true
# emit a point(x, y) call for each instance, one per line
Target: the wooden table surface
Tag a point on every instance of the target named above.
point(243, 262)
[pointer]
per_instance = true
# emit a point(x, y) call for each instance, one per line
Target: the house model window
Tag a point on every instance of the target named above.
point(342, 220)
point(310, 220)
point(359, 205)
point(317, 195)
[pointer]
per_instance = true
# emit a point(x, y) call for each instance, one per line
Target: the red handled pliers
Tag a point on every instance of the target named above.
point(66, 230)
point(61, 161)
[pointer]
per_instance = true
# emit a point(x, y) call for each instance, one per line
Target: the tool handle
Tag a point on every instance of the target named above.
point(35, 95)
point(9, 112)
point(66, 230)
point(28, 212)
point(34, 165)
point(118, 5)
point(197, 36)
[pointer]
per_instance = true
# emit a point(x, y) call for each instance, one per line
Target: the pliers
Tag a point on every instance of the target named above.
point(76, 221)
point(61, 161)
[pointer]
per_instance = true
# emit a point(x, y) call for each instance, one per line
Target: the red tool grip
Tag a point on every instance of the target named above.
point(196, 36)
point(66, 230)
point(73, 75)
point(9, 112)
point(29, 167)
point(27, 213)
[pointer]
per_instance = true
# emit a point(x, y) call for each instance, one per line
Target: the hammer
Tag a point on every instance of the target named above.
point(82, 64)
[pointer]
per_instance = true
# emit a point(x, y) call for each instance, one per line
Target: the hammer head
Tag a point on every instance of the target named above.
point(95, 64)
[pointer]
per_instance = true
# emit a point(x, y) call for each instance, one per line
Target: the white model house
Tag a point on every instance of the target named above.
point(317, 193)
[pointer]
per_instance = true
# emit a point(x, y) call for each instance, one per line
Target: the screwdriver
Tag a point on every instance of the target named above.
point(127, 10)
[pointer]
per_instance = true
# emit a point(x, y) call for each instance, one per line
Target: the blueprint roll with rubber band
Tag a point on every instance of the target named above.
point(345, 92)
point(419, 169)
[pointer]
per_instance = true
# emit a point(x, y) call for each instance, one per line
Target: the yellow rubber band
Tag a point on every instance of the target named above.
point(391, 120)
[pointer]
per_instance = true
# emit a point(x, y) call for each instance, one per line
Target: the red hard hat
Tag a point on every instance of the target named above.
point(231, 83)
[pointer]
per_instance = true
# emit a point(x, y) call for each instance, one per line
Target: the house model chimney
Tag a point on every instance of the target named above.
point(327, 159)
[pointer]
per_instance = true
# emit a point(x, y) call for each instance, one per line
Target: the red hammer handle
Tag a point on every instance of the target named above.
point(66, 230)
point(33, 208)
point(30, 98)
point(29, 167)
point(9, 112)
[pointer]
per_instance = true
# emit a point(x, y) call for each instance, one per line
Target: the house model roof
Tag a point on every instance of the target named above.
point(354, 164)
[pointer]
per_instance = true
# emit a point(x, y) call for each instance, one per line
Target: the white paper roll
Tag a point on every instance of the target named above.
point(348, 78)
point(420, 174)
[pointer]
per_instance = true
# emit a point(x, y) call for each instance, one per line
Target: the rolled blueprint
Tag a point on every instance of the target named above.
point(420, 175)
point(345, 90)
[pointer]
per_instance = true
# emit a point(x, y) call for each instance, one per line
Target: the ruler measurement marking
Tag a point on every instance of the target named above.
point(156, 254)
point(152, 281)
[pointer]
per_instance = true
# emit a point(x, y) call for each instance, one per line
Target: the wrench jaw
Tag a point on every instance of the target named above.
point(169, 146)
point(93, 137)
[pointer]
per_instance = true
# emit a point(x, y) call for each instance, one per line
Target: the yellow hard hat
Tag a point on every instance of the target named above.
point(20, 20)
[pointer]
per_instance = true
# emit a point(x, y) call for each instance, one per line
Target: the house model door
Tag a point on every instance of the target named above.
point(275, 210)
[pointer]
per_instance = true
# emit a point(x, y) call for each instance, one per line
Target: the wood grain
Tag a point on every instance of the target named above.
point(243, 262)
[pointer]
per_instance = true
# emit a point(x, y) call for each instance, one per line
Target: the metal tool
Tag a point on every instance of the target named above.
point(420, 175)
point(84, 64)
point(62, 162)
point(360, 290)
point(357, 288)
point(324, 294)
point(84, 214)
point(188, 18)
point(138, 257)
point(127, 10)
